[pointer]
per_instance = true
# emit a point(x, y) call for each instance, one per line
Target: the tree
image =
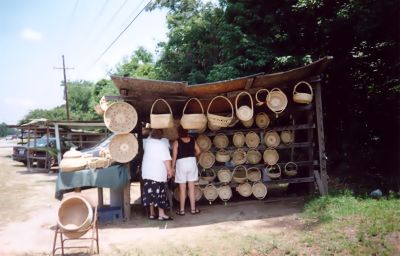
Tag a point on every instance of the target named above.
point(140, 64)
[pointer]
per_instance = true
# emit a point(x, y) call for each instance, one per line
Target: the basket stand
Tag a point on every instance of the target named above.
point(94, 237)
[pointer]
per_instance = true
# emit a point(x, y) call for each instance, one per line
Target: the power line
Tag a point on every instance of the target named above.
point(120, 34)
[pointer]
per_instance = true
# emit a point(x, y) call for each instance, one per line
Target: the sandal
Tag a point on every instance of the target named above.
point(195, 211)
point(165, 218)
point(180, 212)
point(152, 217)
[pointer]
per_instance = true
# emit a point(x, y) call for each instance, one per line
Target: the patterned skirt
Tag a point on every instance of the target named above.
point(155, 193)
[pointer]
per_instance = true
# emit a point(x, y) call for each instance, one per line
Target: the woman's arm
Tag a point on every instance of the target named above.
point(197, 150)
point(174, 153)
point(170, 172)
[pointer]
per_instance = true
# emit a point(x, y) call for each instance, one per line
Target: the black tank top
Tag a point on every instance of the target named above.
point(185, 149)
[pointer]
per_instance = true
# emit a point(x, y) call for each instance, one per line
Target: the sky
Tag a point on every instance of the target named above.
point(35, 34)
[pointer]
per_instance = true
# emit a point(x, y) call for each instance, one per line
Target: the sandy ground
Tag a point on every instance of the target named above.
point(28, 217)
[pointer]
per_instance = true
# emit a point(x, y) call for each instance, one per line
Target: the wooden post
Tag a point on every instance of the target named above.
point(310, 139)
point(58, 145)
point(127, 199)
point(321, 137)
point(100, 197)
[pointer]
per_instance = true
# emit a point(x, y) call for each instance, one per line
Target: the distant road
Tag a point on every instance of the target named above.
point(7, 143)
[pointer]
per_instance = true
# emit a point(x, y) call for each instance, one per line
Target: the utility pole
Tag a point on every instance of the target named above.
point(65, 86)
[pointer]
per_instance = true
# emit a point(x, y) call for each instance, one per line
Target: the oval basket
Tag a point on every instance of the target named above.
point(253, 156)
point(120, 117)
point(244, 189)
point(198, 193)
point(225, 192)
point(262, 120)
point(272, 139)
point(239, 156)
point(277, 101)
point(263, 100)
point(290, 169)
point(273, 171)
point(206, 159)
point(123, 147)
point(221, 141)
point(248, 123)
point(224, 175)
point(204, 142)
point(222, 156)
point(252, 140)
point(239, 174)
point(271, 156)
point(238, 139)
point(210, 192)
point(303, 97)
point(259, 190)
point(253, 174)
point(161, 121)
point(218, 120)
point(244, 112)
point(208, 174)
point(287, 137)
point(193, 121)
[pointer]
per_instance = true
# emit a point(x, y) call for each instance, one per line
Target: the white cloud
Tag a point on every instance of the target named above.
point(31, 35)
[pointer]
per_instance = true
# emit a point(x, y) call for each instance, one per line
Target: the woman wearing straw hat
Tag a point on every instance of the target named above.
point(184, 152)
point(156, 169)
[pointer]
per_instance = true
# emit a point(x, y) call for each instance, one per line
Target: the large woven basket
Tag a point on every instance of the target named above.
point(239, 156)
point(287, 136)
point(244, 189)
point(244, 112)
point(277, 101)
point(219, 120)
point(208, 174)
point(263, 93)
point(73, 164)
point(290, 169)
point(253, 174)
point(272, 139)
point(239, 174)
point(248, 123)
point(123, 147)
point(171, 133)
point(221, 141)
point(98, 162)
point(224, 175)
point(210, 192)
point(198, 193)
point(271, 156)
point(259, 190)
point(204, 142)
point(252, 140)
point(196, 121)
point(75, 215)
point(225, 192)
point(253, 156)
point(303, 97)
point(262, 120)
point(72, 153)
point(238, 139)
point(222, 156)
point(207, 159)
point(273, 171)
point(161, 121)
point(120, 117)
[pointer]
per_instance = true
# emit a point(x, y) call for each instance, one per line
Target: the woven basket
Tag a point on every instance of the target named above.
point(75, 215)
point(248, 123)
point(244, 189)
point(208, 174)
point(222, 156)
point(218, 120)
point(72, 153)
point(302, 97)
point(253, 174)
point(239, 174)
point(224, 175)
point(262, 120)
point(277, 101)
point(103, 104)
point(98, 110)
point(94, 163)
point(252, 140)
point(120, 117)
point(244, 112)
point(259, 190)
point(272, 139)
point(161, 121)
point(123, 147)
point(225, 192)
point(221, 141)
point(193, 121)
point(72, 161)
point(204, 142)
point(177, 194)
point(198, 193)
point(253, 156)
point(206, 159)
point(238, 139)
point(213, 128)
point(263, 99)
point(273, 171)
point(287, 137)
point(290, 169)
point(234, 121)
point(210, 192)
point(271, 156)
point(171, 133)
point(239, 156)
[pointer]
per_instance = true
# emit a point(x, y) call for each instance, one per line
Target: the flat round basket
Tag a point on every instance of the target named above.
point(244, 112)
point(72, 153)
point(277, 101)
point(261, 96)
point(73, 164)
point(222, 156)
point(75, 215)
point(210, 192)
point(238, 139)
point(208, 174)
point(303, 97)
point(221, 141)
point(262, 120)
point(252, 140)
point(193, 121)
point(244, 189)
point(239, 156)
point(120, 117)
point(206, 159)
point(161, 121)
point(248, 123)
point(290, 169)
point(253, 156)
point(198, 193)
point(239, 174)
point(123, 147)
point(224, 175)
point(225, 192)
point(219, 120)
point(253, 174)
point(287, 137)
point(273, 171)
point(204, 142)
point(272, 139)
point(271, 156)
point(259, 190)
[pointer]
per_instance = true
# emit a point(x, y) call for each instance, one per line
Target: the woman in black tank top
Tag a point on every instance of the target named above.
point(184, 152)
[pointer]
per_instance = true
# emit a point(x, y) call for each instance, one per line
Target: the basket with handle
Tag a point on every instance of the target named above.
point(210, 192)
point(239, 174)
point(208, 174)
point(273, 171)
point(221, 141)
point(287, 136)
point(254, 174)
point(244, 112)
point(277, 101)
point(239, 156)
point(271, 156)
point(224, 175)
point(264, 99)
point(218, 120)
point(253, 156)
point(262, 120)
point(244, 189)
point(303, 97)
point(290, 169)
point(195, 121)
point(161, 121)
point(225, 192)
point(222, 156)
point(259, 190)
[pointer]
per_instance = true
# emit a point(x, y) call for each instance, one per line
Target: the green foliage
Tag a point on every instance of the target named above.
point(140, 65)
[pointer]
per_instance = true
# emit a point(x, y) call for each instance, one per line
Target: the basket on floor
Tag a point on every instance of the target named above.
point(225, 192)
point(253, 174)
point(239, 174)
point(206, 159)
point(161, 121)
point(244, 189)
point(195, 121)
point(259, 190)
point(210, 192)
point(244, 112)
point(219, 120)
point(224, 175)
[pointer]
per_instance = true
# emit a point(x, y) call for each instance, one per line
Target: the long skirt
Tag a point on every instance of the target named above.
point(155, 193)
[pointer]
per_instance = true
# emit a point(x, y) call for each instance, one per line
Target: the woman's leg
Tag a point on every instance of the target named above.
point(191, 195)
point(182, 196)
point(152, 211)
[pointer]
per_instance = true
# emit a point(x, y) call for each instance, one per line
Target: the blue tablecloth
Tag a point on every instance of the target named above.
point(113, 177)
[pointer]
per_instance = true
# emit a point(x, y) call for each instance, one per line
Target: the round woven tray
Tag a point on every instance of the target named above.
point(259, 190)
point(272, 139)
point(120, 117)
point(204, 142)
point(206, 159)
point(224, 175)
point(123, 147)
point(238, 139)
point(225, 192)
point(244, 189)
point(252, 140)
point(221, 141)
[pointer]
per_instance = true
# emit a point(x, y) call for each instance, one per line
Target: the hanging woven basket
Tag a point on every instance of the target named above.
point(253, 174)
point(221, 141)
point(271, 156)
point(224, 175)
point(253, 156)
point(120, 117)
point(290, 169)
point(212, 127)
point(273, 171)
point(206, 159)
point(252, 140)
point(287, 137)
point(244, 112)
point(204, 142)
point(225, 192)
point(239, 156)
point(210, 192)
point(277, 101)
point(261, 96)
point(303, 97)
point(123, 147)
point(219, 120)
point(239, 174)
point(272, 139)
point(161, 121)
point(196, 121)
point(262, 120)
point(238, 139)
point(222, 156)
point(259, 190)
point(244, 189)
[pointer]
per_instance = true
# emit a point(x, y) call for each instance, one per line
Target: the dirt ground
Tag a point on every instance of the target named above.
point(28, 217)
